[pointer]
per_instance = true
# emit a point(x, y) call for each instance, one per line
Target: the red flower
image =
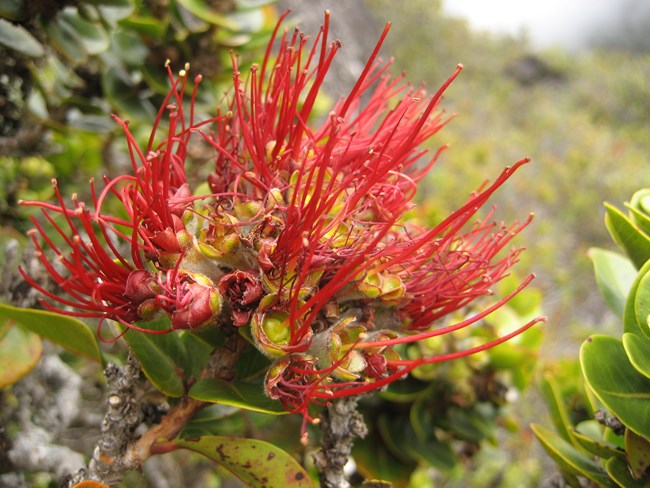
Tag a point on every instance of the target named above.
point(103, 261)
point(339, 192)
point(304, 234)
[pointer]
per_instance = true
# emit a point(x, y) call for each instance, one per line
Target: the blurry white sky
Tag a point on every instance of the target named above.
point(546, 22)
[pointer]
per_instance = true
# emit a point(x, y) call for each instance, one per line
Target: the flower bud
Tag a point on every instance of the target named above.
point(140, 286)
point(166, 240)
point(288, 380)
point(370, 286)
point(376, 365)
point(247, 210)
point(243, 291)
point(272, 333)
point(197, 304)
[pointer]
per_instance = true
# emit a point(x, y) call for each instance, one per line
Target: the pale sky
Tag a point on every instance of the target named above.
point(547, 22)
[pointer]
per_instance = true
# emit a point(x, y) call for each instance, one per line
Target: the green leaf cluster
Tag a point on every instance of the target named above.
point(67, 67)
point(616, 370)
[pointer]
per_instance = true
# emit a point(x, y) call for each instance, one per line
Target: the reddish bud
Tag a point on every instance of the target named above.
point(140, 286)
point(242, 290)
point(197, 303)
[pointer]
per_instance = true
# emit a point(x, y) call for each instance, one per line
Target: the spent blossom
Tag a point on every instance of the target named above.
point(302, 239)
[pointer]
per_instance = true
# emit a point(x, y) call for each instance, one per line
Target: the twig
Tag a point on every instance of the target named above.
point(117, 451)
point(340, 424)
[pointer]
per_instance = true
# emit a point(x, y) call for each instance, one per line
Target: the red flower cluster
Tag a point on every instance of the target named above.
point(302, 238)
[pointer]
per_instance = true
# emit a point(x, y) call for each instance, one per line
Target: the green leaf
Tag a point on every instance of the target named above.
point(257, 463)
point(614, 275)
point(630, 322)
point(17, 38)
point(156, 363)
point(249, 396)
point(113, 11)
point(637, 349)
point(405, 391)
point(12, 9)
point(65, 331)
point(92, 36)
point(613, 438)
point(251, 365)
point(20, 351)
point(639, 208)
point(248, 20)
point(642, 302)
point(472, 424)
point(196, 353)
point(250, 4)
point(149, 26)
point(210, 421)
point(589, 435)
point(557, 407)
point(124, 96)
point(637, 449)
point(128, 47)
point(619, 471)
point(202, 10)
point(64, 39)
point(569, 458)
point(402, 440)
point(186, 349)
point(376, 461)
point(616, 383)
point(628, 236)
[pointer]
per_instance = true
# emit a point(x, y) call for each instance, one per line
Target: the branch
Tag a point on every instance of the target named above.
point(117, 451)
point(340, 424)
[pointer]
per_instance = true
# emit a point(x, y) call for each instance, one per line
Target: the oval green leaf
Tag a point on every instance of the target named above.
point(630, 323)
point(614, 276)
point(401, 439)
point(20, 351)
point(186, 349)
point(65, 331)
point(257, 463)
point(619, 471)
point(637, 449)
point(375, 460)
point(17, 38)
point(569, 458)
point(589, 435)
point(124, 96)
point(156, 363)
point(628, 236)
point(64, 39)
point(248, 396)
point(203, 11)
point(616, 383)
point(638, 352)
point(557, 407)
point(639, 208)
point(92, 36)
point(642, 302)
point(149, 26)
